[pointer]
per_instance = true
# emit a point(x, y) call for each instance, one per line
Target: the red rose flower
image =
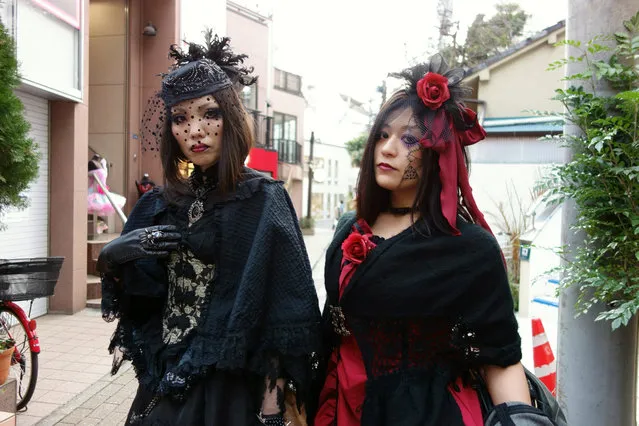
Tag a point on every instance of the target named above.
point(433, 90)
point(356, 248)
point(475, 133)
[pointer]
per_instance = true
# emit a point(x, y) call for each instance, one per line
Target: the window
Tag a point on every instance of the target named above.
point(288, 82)
point(61, 21)
point(65, 10)
point(249, 97)
point(284, 127)
point(7, 15)
point(285, 138)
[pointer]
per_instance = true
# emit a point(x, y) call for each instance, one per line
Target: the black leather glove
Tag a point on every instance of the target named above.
point(154, 241)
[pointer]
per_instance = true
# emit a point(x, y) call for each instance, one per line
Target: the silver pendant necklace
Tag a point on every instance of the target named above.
point(196, 211)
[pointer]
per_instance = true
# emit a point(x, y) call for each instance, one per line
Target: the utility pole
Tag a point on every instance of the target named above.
point(597, 371)
point(310, 178)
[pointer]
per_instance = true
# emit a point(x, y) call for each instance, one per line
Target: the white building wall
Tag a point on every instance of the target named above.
point(61, 46)
point(334, 121)
point(198, 15)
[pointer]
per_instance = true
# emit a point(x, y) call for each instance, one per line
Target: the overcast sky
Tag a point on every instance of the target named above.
point(353, 44)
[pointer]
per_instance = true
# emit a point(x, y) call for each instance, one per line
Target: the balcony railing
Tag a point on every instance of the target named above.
point(288, 151)
point(263, 129)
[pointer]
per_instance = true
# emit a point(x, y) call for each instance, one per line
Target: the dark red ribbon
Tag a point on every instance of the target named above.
point(442, 137)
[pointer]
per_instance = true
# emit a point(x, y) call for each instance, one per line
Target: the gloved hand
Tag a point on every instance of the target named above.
point(154, 241)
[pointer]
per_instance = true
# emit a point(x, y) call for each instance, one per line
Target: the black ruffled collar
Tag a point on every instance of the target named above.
point(208, 177)
point(250, 183)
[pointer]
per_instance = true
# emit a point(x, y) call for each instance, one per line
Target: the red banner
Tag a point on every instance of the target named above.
point(263, 160)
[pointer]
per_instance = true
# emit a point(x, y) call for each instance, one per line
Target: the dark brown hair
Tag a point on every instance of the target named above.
point(237, 140)
point(373, 199)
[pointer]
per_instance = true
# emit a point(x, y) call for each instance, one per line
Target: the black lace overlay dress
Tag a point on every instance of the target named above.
point(202, 340)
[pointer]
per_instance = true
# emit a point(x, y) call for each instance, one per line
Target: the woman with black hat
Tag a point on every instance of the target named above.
point(210, 279)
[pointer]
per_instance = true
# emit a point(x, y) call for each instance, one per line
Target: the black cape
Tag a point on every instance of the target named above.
point(263, 316)
point(425, 310)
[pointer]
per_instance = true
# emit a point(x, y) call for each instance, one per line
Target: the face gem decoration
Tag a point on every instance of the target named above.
point(410, 173)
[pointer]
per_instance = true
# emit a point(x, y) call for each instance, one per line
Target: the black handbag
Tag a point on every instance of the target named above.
point(545, 409)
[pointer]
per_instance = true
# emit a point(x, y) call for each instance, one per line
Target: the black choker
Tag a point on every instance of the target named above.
point(400, 211)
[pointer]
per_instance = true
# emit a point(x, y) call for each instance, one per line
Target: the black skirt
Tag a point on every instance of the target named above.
point(222, 398)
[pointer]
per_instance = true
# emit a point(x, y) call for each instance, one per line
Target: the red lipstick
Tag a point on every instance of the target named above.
point(199, 147)
point(385, 166)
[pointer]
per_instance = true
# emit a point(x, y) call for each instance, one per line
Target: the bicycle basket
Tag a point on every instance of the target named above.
point(30, 278)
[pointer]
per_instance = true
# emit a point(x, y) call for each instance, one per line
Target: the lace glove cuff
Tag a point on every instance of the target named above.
point(273, 420)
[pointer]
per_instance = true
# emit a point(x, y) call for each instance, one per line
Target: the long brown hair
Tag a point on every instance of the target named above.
point(373, 199)
point(237, 140)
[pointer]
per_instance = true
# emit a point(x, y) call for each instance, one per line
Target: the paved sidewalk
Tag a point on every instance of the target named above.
point(73, 358)
point(75, 386)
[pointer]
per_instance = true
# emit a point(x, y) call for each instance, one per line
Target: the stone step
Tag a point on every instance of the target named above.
point(94, 303)
point(94, 246)
point(94, 287)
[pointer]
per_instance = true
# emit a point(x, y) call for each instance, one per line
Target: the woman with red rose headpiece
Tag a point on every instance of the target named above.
point(418, 302)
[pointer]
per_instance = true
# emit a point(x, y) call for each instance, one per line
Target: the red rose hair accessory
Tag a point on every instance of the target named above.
point(433, 90)
point(446, 140)
point(449, 126)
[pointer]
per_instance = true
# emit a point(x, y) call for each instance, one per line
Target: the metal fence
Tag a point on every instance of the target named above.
point(288, 151)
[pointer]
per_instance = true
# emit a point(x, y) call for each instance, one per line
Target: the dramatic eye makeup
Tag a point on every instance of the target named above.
point(213, 114)
point(178, 119)
point(409, 139)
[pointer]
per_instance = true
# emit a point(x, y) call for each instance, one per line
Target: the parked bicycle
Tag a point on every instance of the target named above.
point(25, 280)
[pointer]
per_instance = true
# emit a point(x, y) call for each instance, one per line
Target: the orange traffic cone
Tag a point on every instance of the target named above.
point(545, 366)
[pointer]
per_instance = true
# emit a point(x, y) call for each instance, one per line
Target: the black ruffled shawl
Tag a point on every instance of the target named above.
point(425, 310)
point(263, 314)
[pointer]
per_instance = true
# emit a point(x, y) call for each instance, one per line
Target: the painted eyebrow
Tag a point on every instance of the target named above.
point(209, 105)
point(403, 128)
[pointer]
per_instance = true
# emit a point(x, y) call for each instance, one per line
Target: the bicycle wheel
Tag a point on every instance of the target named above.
point(24, 363)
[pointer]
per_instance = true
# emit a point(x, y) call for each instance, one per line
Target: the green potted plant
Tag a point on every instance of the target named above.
point(18, 152)
point(7, 346)
point(308, 225)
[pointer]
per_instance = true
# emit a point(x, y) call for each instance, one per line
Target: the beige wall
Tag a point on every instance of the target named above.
point(68, 188)
point(288, 103)
point(107, 86)
point(251, 38)
point(523, 83)
point(134, 152)
point(154, 60)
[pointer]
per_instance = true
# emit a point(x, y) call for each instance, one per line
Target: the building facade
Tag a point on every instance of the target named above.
point(275, 102)
point(507, 88)
point(55, 99)
point(334, 119)
point(507, 166)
